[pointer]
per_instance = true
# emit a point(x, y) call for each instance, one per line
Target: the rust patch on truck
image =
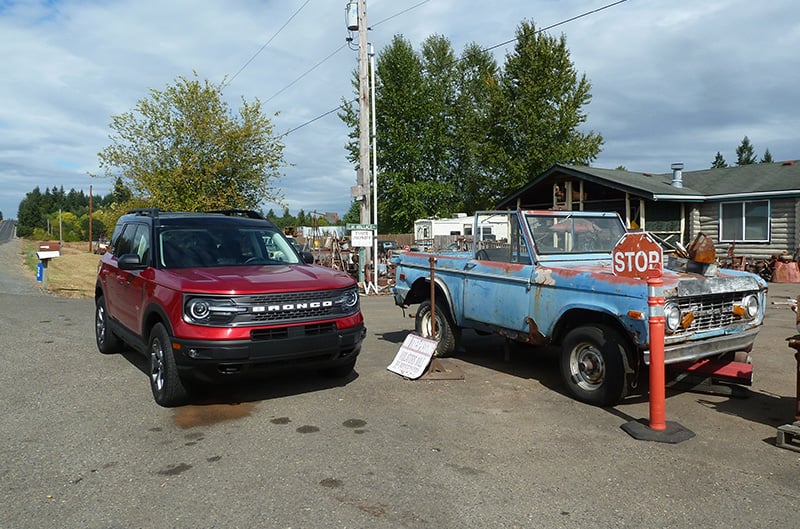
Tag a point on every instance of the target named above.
point(535, 336)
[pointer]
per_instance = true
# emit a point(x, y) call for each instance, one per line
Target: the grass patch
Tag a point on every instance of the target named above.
point(72, 275)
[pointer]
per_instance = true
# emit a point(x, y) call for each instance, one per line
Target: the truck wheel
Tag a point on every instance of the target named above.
point(107, 342)
point(592, 365)
point(446, 331)
point(168, 388)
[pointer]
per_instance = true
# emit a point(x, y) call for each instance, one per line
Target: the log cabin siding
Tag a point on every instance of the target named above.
point(783, 230)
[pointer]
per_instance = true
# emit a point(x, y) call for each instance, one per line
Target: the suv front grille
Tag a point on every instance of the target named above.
point(281, 308)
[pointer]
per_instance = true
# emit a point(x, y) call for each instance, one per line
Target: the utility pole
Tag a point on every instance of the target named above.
point(363, 125)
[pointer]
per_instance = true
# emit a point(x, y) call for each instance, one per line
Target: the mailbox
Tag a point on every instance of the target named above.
point(48, 250)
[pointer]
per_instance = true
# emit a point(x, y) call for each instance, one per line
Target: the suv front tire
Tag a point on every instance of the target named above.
point(168, 388)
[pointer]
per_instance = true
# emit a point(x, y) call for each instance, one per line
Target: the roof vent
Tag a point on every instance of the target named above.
point(677, 174)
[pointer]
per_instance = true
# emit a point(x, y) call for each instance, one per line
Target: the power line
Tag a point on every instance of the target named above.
point(565, 21)
point(276, 94)
point(398, 14)
point(309, 122)
point(339, 49)
point(266, 43)
point(540, 30)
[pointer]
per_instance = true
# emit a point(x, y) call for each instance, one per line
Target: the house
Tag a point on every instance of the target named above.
point(749, 210)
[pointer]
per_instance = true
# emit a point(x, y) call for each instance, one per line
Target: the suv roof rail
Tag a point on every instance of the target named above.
point(145, 212)
point(249, 213)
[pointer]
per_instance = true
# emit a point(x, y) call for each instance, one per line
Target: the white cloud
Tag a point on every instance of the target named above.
point(671, 81)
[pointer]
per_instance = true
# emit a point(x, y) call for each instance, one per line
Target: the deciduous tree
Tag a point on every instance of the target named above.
point(182, 148)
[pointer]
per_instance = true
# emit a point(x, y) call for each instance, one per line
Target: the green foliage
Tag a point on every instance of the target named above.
point(353, 215)
point(538, 112)
point(767, 158)
point(719, 162)
point(182, 149)
point(744, 153)
point(458, 133)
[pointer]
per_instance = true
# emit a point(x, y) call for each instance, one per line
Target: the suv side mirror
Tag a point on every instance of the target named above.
point(308, 257)
point(130, 261)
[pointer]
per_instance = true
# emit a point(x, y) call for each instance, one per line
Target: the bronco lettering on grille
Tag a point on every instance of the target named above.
point(293, 306)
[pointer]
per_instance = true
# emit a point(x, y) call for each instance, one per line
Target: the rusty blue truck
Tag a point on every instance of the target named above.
point(545, 278)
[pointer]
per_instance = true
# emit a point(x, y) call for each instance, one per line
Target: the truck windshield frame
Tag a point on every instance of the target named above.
point(574, 233)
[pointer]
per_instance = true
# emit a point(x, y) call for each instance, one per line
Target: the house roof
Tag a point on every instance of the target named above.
point(746, 181)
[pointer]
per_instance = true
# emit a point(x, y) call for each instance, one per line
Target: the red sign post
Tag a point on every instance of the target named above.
point(638, 256)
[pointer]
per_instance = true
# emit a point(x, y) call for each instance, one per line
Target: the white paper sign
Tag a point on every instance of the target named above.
point(361, 238)
point(413, 357)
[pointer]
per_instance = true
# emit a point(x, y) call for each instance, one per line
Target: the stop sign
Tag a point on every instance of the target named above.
point(637, 255)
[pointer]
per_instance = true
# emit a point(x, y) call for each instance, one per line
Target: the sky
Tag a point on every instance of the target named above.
point(672, 81)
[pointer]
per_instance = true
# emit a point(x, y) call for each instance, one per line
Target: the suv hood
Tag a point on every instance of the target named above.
point(256, 279)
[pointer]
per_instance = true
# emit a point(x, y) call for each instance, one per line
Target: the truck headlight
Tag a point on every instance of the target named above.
point(672, 316)
point(750, 305)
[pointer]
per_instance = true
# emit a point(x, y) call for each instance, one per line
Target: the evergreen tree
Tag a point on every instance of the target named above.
point(537, 112)
point(719, 162)
point(744, 153)
point(767, 157)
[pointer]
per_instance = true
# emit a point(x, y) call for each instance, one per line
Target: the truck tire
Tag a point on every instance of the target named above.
point(447, 334)
point(593, 366)
point(107, 342)
point(168, 388)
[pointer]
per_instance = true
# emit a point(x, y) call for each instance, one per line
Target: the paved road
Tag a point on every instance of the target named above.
point(13, 278)
point(84, 446)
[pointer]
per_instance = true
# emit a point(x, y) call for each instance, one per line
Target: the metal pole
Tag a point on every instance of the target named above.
point(432, 261)
point(374, 168)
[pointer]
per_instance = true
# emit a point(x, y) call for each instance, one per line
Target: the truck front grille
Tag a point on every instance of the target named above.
point(711, 312)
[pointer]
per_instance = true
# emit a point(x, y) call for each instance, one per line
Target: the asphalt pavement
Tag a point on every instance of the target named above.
point(84, 445)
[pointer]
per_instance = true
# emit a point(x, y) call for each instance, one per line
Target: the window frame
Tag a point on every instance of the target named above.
point(743, 227)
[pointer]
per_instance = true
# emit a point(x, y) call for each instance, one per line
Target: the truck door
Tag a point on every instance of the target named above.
point(497, 282)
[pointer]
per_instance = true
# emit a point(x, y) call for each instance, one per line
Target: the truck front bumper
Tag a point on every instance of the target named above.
point(692, 351)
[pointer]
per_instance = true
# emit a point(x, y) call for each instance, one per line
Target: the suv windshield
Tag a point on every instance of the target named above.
point(198, 247)
point(554, 234)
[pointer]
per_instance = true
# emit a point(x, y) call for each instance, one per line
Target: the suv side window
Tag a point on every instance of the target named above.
point(134, 238)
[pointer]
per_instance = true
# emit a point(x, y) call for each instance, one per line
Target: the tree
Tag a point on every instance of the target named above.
point(719, 162)
point(456, 133)
point(537, 112)
point(353, 215)
point(767, 157)
point(182, 149)
point(744, 153)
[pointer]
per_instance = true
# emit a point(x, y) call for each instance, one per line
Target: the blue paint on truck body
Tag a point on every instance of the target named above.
point(552, 271)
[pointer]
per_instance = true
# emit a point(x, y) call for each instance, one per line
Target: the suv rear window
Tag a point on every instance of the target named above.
point(200, 247)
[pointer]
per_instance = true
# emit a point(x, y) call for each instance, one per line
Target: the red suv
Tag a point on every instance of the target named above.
point(207, 296)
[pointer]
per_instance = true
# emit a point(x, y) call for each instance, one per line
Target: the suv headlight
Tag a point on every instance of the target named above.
point(349, 300)
point(672, 316)
point(211, 311)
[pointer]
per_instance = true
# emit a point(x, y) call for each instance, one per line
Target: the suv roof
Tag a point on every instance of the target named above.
point(161, 217)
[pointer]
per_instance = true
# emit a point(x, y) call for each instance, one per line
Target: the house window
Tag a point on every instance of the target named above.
point(744, 221)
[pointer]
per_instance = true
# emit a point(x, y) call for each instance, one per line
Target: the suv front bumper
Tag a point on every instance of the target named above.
point(272, 350)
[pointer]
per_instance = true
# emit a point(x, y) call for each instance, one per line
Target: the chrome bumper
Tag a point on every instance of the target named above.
point(690, 351)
